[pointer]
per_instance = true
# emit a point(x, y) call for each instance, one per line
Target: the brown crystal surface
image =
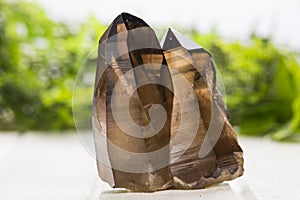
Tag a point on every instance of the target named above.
point(139, 104)
point(224, 162)
point(131, 59)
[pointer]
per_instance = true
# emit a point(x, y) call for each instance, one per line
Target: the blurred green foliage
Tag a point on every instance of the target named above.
point(39, 59)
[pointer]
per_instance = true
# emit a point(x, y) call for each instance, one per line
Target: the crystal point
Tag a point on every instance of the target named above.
point(129, 43)
point(214, 155)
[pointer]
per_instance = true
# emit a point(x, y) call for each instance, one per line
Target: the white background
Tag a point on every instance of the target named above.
point(232, 19)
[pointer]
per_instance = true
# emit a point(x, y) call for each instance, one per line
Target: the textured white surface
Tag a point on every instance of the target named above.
point(45, 167)
point(35, 166)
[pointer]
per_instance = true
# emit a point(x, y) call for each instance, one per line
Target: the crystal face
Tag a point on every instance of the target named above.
point(159, 120)
point(222, 162)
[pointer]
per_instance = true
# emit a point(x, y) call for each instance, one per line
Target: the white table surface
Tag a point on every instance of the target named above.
point(42, 166)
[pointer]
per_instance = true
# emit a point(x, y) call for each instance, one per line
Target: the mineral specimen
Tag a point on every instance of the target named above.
point(158, 117)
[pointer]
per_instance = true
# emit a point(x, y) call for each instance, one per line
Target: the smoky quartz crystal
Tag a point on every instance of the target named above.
point(159, 120)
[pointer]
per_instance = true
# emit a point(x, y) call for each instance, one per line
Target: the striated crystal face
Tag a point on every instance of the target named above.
point(214, 155)
point(159, 120)
point(127, 95)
